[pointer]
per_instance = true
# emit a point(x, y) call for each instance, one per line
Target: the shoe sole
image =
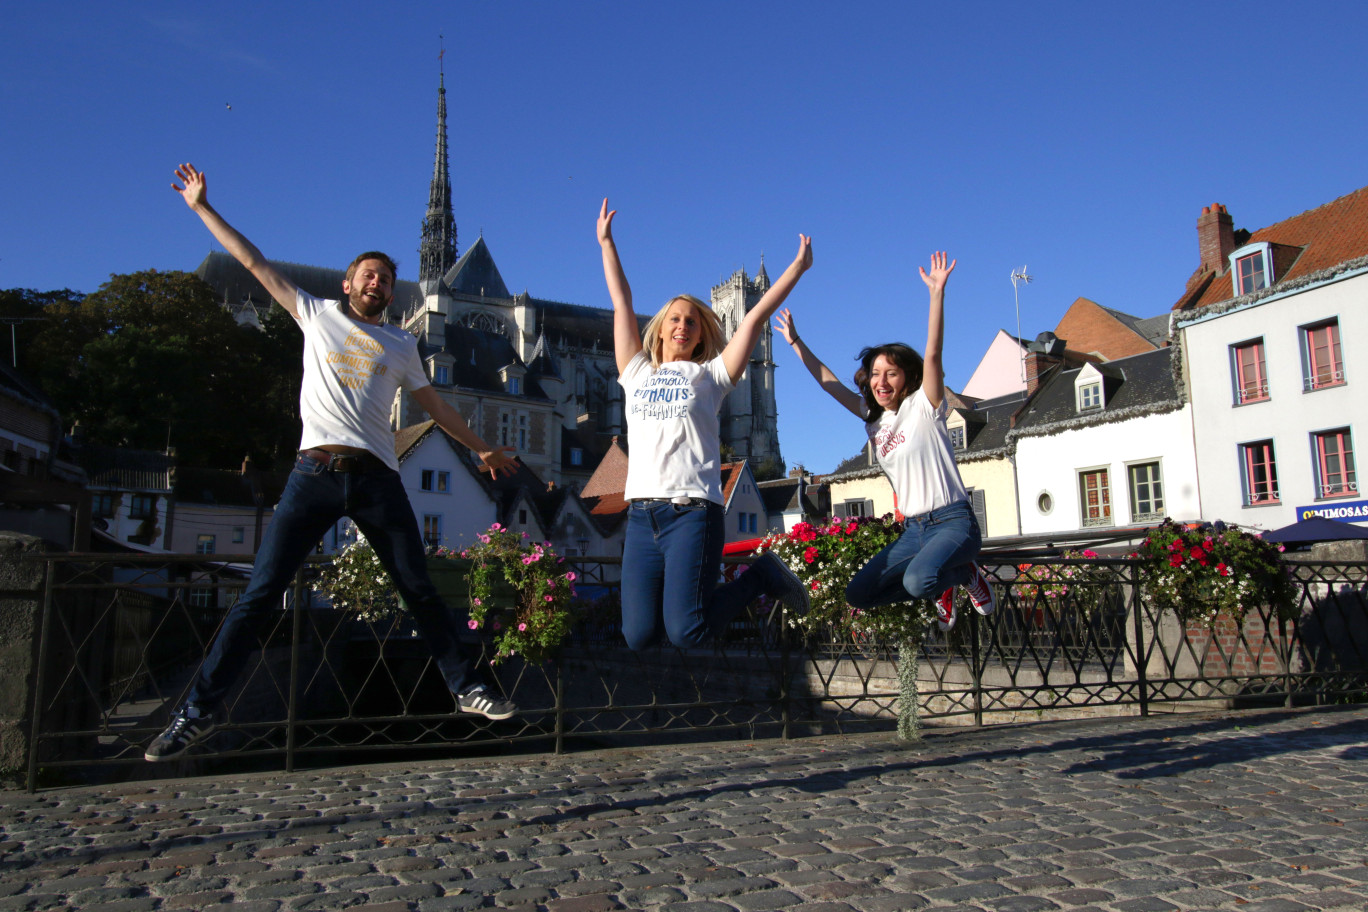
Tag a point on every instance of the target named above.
point(162, 758)
point(496, 717)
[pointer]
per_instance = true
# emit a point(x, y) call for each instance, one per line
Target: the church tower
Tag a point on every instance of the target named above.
point(437, 253)
point(750, 415)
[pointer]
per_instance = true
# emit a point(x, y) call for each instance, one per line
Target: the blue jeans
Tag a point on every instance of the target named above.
point(671, 560)
point(314, 499)
point(935, 551)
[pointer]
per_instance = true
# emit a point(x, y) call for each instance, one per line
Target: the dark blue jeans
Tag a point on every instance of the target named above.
point(671, 560)
point(315, 499)
point(935, 551)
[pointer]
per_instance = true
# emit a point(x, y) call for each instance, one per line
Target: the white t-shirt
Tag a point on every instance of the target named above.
point(672, 427)
point(351, 372)
point(914, 450)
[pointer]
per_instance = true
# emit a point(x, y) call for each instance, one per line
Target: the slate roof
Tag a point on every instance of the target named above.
point(477, 358)
point(125, 468)
point(781, 496)
point(987, 426)
point(475, 274)
point(1305, 244)
point(1140, 384)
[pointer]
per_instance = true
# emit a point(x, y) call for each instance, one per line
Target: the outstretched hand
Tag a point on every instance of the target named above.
point(605, 223)
point(499, 459)
point(783, 321)
point(195, 189)
point(804, 258)
point(940, 273)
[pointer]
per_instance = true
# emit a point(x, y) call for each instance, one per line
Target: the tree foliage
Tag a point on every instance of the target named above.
point(152, 359)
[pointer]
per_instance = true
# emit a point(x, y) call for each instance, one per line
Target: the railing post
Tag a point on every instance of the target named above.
point(560, 705)
point(975, 673)
point(39, 673)
point(297, 629)
point(785, 675)
point(1141, 662)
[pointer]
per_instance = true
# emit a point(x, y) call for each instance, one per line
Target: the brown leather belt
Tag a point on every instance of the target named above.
point(345, 462)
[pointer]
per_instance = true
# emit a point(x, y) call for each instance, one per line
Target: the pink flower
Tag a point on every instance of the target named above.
point(549, 598)
point(1089, 554)
point(522, 627)
point(527, 560)
point(473, 624)
point(484, 538)
point(478, 602)
point(495, 527)
point(498, 626)
point(570, 576)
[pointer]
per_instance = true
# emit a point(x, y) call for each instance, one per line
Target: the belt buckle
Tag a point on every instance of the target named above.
point(344, 462)
point(681, 501)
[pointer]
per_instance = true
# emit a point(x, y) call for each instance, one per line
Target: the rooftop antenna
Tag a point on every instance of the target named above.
point(1020, 277)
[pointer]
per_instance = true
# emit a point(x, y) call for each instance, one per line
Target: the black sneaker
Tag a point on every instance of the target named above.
point(479, 701)
point(189, 725)
point(789, 588)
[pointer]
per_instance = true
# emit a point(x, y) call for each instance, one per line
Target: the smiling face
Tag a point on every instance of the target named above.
point(887, 382)
point(680, 331)
point(370, 289)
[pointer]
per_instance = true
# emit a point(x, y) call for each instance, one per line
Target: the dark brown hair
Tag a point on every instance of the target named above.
point(903, 357)
point(374, 255)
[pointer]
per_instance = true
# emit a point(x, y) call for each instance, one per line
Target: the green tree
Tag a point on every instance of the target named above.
point(152, 359)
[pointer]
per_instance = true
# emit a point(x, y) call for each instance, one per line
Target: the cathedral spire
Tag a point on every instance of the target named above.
point(437, 253)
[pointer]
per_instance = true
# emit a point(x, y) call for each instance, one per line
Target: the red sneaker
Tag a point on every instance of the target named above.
point(980, 593)
point(945, 609)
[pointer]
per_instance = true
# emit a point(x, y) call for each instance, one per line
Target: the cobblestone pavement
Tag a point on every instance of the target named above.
point(1261, 811)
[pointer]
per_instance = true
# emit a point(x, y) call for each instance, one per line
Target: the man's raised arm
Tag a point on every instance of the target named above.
point(244, 251)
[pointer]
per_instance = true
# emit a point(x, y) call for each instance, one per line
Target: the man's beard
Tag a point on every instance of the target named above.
point(368, 307)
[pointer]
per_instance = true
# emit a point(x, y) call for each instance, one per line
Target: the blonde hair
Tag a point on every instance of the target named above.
point(709, 347)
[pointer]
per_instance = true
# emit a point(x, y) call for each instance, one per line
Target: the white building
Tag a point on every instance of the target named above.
point(1270, 326)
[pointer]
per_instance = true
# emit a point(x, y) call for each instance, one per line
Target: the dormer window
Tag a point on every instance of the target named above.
point(957, 437)
point(515, 385)
point(441, 374)
point(1252, 268)
point(512, 377)
point(1090, 396)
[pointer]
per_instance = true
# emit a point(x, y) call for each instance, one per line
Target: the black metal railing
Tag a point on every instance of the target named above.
point(121, 637)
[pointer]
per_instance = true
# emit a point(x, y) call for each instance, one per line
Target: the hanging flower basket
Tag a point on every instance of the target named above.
point(1205, 572)
point(535, 621)
point(825, 557)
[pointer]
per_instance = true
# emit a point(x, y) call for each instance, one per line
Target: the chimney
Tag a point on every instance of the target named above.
point(1215, 238)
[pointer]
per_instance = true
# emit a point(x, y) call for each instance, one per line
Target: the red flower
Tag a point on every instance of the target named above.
point(1176, 560)
point(1209, 545)
point(810, 555)
point(813, 586)
point(850, 529)
point(1199, 554)
point(1222, 569)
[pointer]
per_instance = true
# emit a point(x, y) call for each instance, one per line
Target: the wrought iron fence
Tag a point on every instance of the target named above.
point(121, 637)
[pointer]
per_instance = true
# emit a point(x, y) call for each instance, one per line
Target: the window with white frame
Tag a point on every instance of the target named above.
point(957, 437)
point(1259, 473)
point(1334, 464)
point(1321, 362)
point(441, 374)
point(1146, 492)
point(1094, 496)
point(515, 385)
point(205, 544)
point(1090, 396)
point(1251, 268)
point(436, 481)
point(852, 508)
point(1250, 376)
point(432, 529)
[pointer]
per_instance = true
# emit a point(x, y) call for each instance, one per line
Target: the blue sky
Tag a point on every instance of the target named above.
point(1080, 139)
